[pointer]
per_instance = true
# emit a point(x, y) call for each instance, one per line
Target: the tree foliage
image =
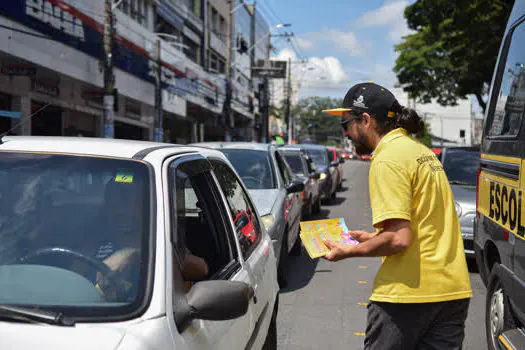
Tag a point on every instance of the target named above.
point(315, 124)
point(454, 48)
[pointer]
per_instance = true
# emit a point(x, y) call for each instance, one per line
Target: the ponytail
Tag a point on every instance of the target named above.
point(409, 120)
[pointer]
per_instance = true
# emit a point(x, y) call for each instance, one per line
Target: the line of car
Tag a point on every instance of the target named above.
point(227, 213)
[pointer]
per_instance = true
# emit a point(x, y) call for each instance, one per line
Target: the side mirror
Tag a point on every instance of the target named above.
point(219, 300)
point(316, 175)
point(334, 163)
point(295, 186)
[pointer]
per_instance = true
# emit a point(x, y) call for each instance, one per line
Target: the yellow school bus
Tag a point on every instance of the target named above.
point(499, 233)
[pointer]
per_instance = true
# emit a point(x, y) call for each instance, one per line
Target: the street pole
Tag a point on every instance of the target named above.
point(266, 111)
point(159, 130)
point(289, 102)
point(227, 101)
point(109, 79)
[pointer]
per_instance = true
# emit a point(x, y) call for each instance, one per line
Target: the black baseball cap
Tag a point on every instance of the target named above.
point(369, 98)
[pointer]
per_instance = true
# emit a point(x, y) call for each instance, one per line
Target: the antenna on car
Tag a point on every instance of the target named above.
point(20, 123)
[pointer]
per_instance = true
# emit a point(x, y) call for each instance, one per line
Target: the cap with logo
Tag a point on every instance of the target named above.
point(368, 98)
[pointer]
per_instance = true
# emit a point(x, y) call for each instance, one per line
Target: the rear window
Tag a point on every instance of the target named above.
point(505, 119)
point(461, 167)
point(295, 162)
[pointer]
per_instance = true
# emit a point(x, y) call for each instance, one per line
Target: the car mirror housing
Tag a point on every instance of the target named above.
point(295, 186)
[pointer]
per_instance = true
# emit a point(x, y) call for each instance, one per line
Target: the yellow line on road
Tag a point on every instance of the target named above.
point(362, 304)
point(359, 334)
point(363, 267)
point(362, 282)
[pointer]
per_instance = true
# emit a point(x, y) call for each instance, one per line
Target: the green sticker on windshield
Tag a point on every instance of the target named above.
point(124, 177)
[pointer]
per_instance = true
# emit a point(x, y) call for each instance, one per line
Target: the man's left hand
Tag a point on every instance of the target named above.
point(338, 250)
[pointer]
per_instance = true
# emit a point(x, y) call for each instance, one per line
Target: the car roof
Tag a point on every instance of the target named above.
point(88, 146)
point(235, 145)
point(307, 145)
point(463, 148)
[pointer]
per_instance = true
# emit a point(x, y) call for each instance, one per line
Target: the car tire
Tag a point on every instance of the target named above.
point(270, 343)
point(498, 317)
point(283, 261)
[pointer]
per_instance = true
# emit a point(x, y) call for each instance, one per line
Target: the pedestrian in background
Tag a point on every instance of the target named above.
point(422, 291)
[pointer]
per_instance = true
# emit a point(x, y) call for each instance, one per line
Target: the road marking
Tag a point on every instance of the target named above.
point(363, 267)
point(359, 334)
point(362, 304)
point(362, 282)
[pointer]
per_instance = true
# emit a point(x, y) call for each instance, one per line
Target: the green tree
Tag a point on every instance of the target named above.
point(313, 122)
point(425, 137)
point(453, 50)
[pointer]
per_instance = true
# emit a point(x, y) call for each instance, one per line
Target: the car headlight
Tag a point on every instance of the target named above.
point(268, 221)
point(458, 208)
point(323, 176)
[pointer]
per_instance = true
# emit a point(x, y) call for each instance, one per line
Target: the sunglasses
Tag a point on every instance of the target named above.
point(344, 123)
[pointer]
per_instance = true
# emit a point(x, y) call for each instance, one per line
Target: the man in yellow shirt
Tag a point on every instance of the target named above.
point(422, 291)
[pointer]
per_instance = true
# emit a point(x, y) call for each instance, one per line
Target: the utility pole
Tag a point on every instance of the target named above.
point(159, 130)
point(266, 111)
point(227, 109)
point(289, 102)
point(109, 79)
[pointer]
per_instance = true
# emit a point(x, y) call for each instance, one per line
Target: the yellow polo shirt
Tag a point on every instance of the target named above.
point(407, 182)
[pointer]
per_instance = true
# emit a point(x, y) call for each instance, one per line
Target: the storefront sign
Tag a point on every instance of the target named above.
point(46, 87)
point(18, 70)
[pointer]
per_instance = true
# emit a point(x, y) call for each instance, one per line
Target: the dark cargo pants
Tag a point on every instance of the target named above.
point(439, 326)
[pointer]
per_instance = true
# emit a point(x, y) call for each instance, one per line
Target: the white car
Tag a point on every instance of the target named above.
point(113, 244)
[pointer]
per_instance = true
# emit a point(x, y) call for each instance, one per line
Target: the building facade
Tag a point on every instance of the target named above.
point(52, 69)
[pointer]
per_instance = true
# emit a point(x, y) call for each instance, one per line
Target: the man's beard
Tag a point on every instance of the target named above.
point(361, 145)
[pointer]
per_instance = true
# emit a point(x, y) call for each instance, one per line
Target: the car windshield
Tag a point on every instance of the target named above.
point(295, 162)
point(319, 156)
point(62, 218)
point(253, 167)
point(461, 166)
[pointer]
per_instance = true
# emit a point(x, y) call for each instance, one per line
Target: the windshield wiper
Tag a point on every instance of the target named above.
point(455, 182)
point(16, 313)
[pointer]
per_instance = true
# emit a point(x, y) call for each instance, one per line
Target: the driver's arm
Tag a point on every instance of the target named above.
point(121, 258)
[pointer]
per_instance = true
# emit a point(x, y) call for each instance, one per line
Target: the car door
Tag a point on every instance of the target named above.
point(255, 249)
point(200, 225)
point(293, 203)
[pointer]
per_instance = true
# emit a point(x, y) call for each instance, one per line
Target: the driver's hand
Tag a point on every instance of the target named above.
point(119, 260)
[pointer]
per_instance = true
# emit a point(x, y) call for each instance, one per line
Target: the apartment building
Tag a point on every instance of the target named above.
point(52, 64)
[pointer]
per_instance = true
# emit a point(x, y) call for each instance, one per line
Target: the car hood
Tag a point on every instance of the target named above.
point(465, 195)
point(31, 336)
point(264, 200)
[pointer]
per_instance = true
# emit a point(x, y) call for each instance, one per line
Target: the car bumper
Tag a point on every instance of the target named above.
point(468, 243)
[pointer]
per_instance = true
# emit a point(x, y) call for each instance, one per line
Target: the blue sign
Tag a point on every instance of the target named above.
point(9, 114)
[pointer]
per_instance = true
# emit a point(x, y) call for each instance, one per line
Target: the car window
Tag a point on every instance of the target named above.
point(201, 233)
point(507, 116)
point(461, 166)
point(319, 156)
point(241, 210)
point(88, 206)
point(295, 162)
point(284, 169)
point(253, 167)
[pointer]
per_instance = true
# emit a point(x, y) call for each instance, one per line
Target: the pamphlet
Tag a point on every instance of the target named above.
point(313, 233)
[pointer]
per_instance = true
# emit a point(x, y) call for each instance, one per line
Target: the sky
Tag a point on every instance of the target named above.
point(345, 41)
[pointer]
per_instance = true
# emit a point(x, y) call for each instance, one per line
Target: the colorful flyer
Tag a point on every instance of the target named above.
point(313, 233)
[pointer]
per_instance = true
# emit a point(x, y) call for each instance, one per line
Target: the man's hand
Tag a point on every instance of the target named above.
point(361, 236)
point(119, 260)
point(338, 250)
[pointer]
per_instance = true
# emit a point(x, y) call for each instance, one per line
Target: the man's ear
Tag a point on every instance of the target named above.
point(368, 120)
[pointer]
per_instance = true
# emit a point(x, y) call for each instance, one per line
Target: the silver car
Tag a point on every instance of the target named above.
point(461, 165)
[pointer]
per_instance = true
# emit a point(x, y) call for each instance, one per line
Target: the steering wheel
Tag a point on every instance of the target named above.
point(110, 285)
point(248, 179)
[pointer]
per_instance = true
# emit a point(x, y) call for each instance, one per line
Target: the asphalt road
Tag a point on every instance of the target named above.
point(324, 304)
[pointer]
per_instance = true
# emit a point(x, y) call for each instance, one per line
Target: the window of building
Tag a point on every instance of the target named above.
point(192, 50)
point(507, 116)
point(214, 63)
point(136, 9)
point(214, 21)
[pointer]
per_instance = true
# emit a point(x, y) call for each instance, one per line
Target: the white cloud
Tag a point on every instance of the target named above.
point(304, 44)
point(390, 15)
point(319, 73)
point(342, 41)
